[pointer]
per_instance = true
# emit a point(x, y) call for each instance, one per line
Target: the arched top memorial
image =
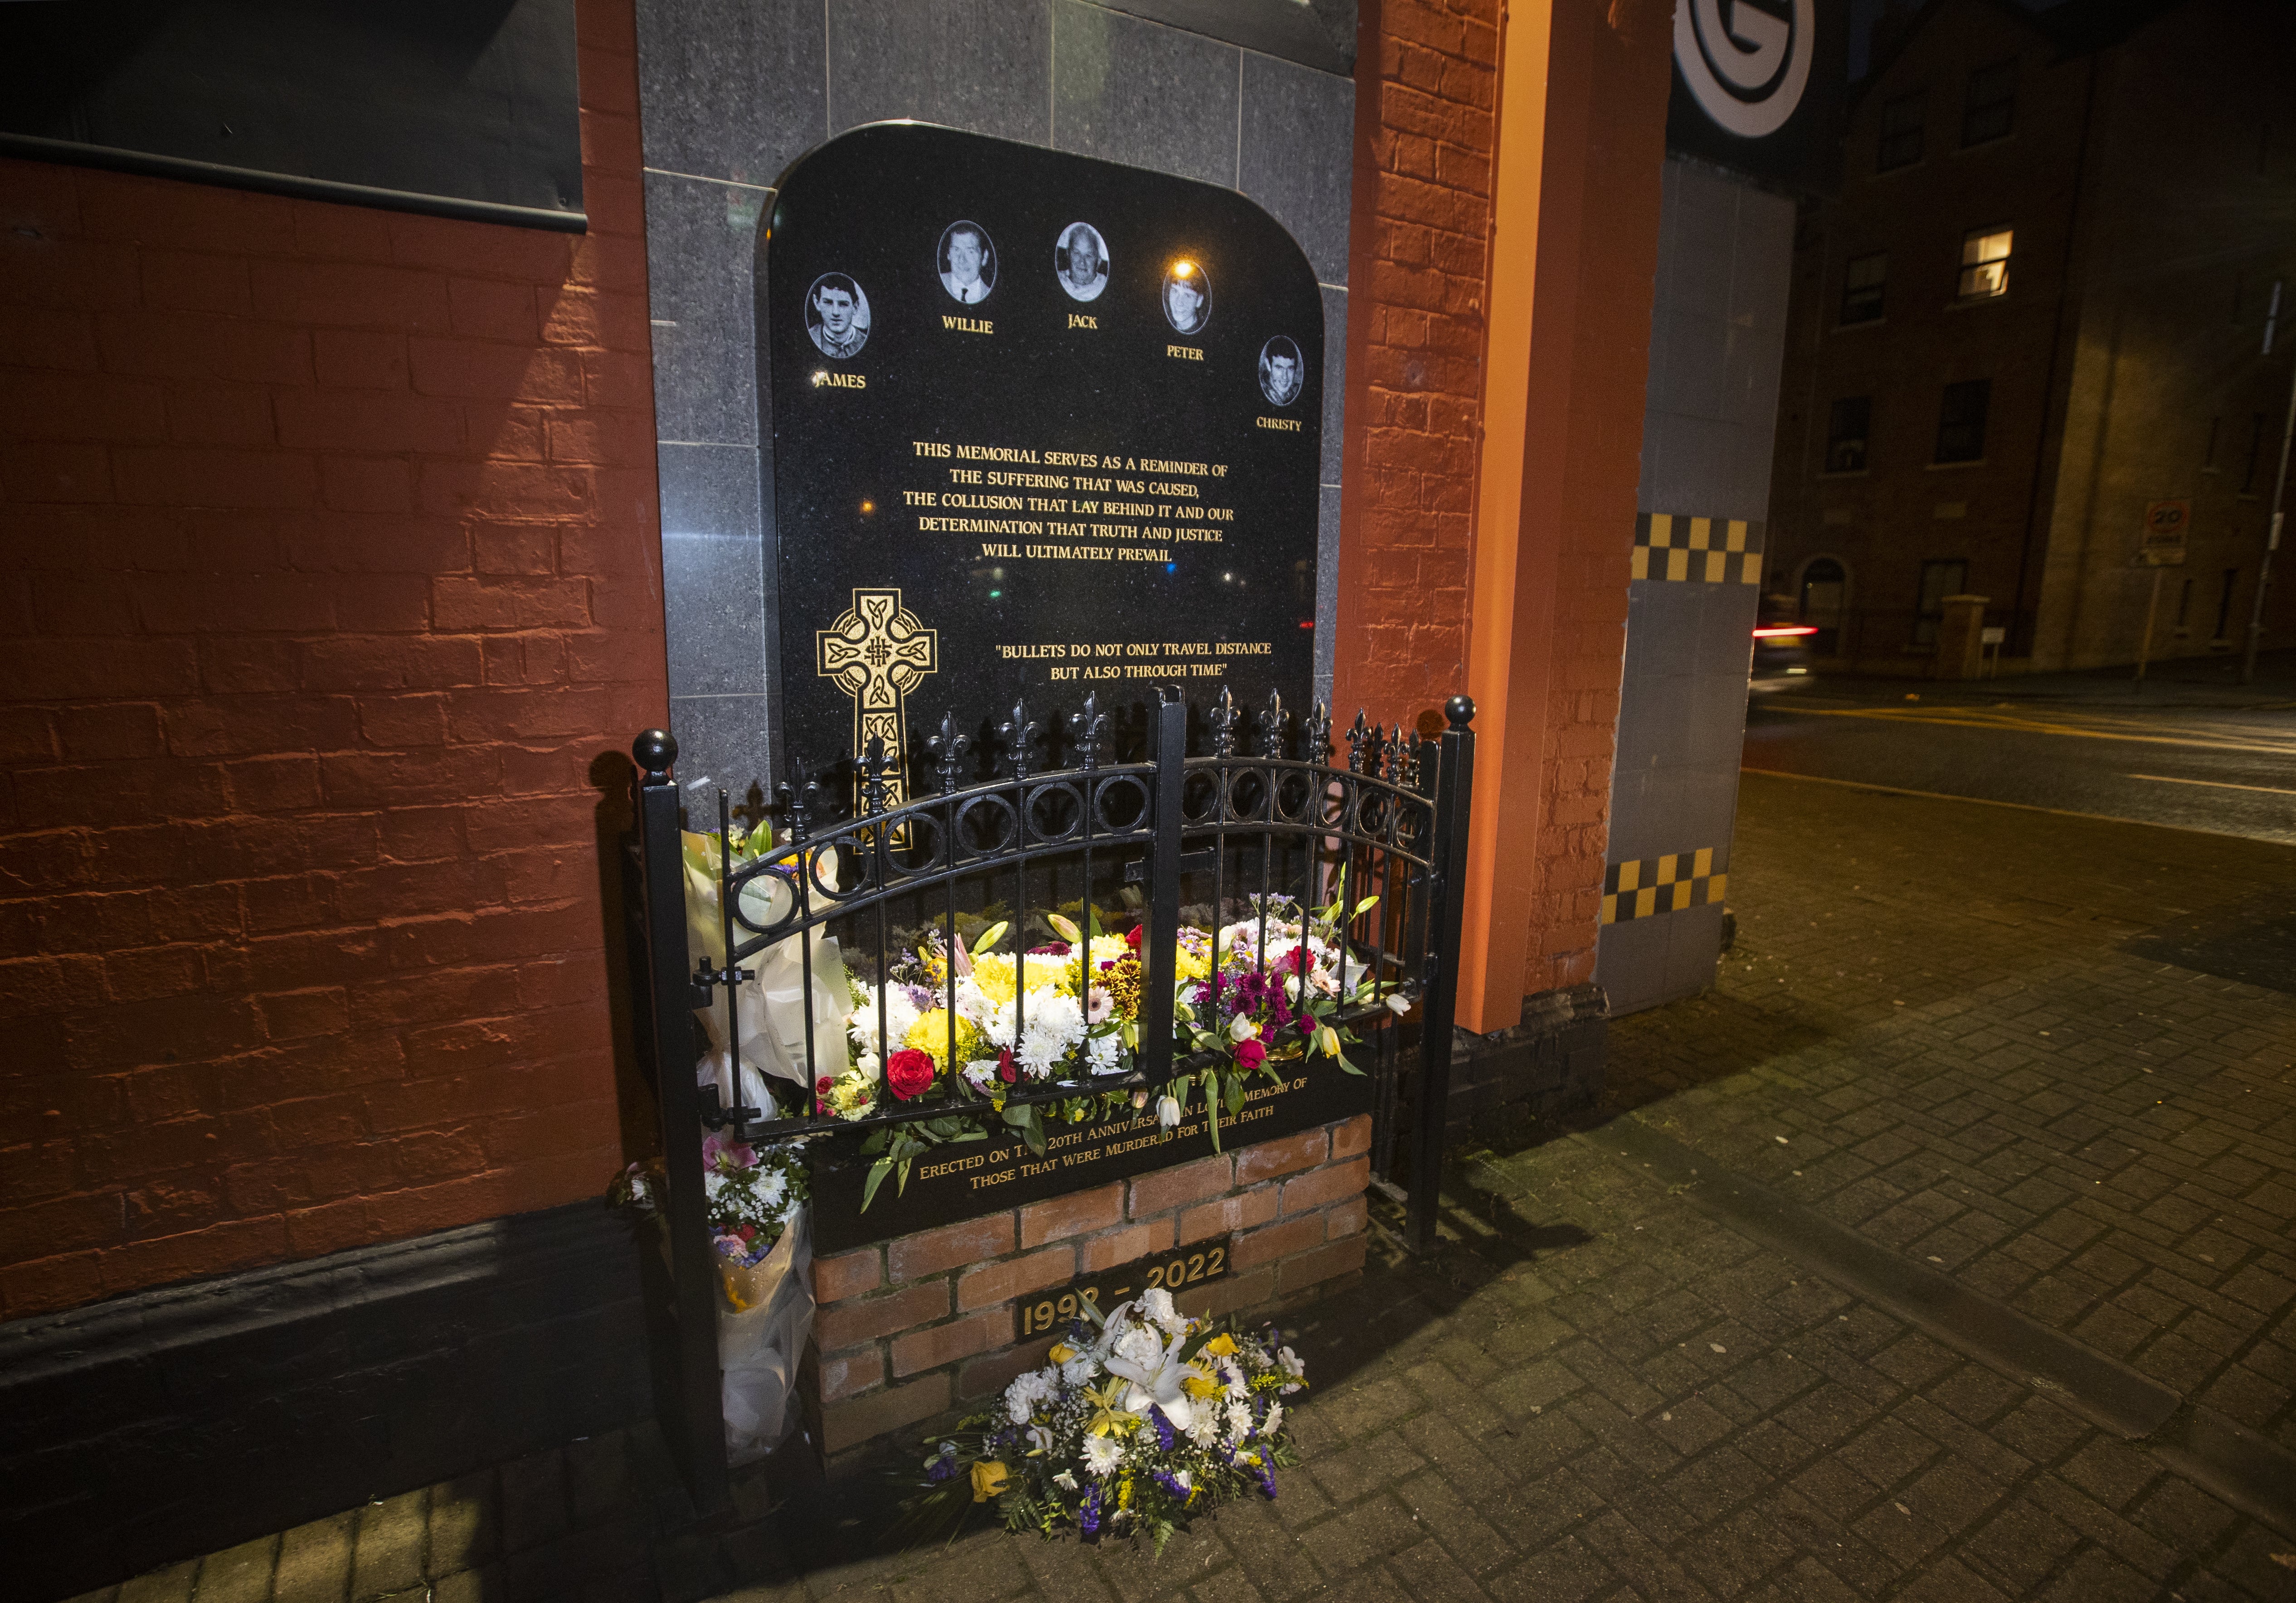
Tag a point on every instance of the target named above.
point(1039, 426)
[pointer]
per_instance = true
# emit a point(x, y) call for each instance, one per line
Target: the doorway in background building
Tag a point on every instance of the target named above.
point(1824, 591)
point(1939, 579)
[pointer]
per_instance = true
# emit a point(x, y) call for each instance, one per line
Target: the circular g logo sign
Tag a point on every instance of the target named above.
point(1746, 73)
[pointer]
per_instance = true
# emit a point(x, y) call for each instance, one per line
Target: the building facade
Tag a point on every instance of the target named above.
point(2037, 307)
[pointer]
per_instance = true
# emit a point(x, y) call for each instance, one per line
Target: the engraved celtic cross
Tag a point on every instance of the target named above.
point(878, 652)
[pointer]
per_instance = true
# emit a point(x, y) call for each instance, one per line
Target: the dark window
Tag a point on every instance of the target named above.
point(2255, 452)
point(1901, 134)
point(2184, 605)
point(1845, 434)
point(1960, 421)
point(1939, 580)
point(2224, 604)
point(1985, 262)
point(1989, 107)
point(1861, 287)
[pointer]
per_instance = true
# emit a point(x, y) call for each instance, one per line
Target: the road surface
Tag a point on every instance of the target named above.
point(2225, 763)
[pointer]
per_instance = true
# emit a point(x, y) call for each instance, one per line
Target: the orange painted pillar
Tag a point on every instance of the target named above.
point(1580, 146)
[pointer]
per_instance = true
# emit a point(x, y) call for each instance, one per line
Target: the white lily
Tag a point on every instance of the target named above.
point(1156, 1380)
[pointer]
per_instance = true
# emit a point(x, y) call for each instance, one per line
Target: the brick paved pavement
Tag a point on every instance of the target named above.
point(1602, 1389)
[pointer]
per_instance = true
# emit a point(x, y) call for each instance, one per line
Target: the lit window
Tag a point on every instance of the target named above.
point(1901, 134)
point(1985, 262)
point(1845, 434)
point(1960, 421)
point(1861, 287)
point(1989, 108)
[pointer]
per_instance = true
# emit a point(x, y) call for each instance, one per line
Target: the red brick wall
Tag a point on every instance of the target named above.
point(330, 568)
point(912, 1327)
point(1429, 95)
point(1426, 88)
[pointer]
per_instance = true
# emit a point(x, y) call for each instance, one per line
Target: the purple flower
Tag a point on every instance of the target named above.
point(1163, 1428)
point(942, 1466)
point(1088, 1514)
point(1267, 1480)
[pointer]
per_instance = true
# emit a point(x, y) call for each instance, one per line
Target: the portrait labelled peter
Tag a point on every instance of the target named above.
point(967, 260)
point(837, 315)
point(1187, 295)
point(1080, 260)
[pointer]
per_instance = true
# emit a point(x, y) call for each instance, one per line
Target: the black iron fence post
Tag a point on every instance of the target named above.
point(688, 1389)
point(1439, 1001)
point(1159, 954)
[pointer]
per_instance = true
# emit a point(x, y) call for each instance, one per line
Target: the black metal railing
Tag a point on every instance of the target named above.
point(1384, 833)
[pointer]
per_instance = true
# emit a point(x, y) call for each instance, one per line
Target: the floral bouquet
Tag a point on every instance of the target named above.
point(751, 1195)
point(1128, 1432)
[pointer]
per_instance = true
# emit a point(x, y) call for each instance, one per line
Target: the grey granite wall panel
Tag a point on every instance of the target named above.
point(1716, 345)
point(712, 562)
point(1298, 155)
point(983, 65)
point(721, 741)
point(1335, 389)
point(731, 88)
point(700, 237)
point(1327, 590)
point(1127, 90)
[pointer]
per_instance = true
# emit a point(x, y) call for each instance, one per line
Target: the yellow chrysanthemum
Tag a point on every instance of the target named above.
point(1107, 948)
point(930, 1034)
point(1222, 1346)
point(994, 975)
point(1200, 1385)
point(1190, 966)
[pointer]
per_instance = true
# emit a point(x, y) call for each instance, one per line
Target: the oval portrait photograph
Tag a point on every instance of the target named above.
point(967, 262)
point(1281, 371)
point(837, 315)
point(1080, 258)
point(1187, 295)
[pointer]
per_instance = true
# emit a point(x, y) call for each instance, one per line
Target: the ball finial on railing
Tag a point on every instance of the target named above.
point(1460, 710)
point(655, 750)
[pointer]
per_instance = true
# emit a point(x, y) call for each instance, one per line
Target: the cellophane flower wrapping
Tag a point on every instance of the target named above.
point(1128, 1431)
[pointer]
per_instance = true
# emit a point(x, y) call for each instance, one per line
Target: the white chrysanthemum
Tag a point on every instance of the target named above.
point(900, 1013)
point(712, 1183)
point(1081, 1369)
point(1204, 1430)
point(771, 1189)
point(1054, 1026)
point(1065, 1481)
point(1239, 1420)
point(1101, 1054)
point(975, 1005)
point(1139, 1345)
point(1268, 1427)
point(1156, 1304)
point(1027, 1391)
point(1101, 1456)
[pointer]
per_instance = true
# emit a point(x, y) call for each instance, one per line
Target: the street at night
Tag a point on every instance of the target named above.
point(2193, 749)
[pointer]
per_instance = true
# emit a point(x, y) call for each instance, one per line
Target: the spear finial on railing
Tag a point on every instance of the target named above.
point(948, 753)
point(1316, 735)
point(875, 764)
point(1019, 734)
point(1271, 726)
point(1222, 721)
point(1363, 745)
point(1091, 731)
point(1398, 758)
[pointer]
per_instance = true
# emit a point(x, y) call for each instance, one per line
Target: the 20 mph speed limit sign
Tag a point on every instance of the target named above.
point(2165, 522)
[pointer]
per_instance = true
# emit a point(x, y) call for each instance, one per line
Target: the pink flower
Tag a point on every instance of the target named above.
point(1249, 1054)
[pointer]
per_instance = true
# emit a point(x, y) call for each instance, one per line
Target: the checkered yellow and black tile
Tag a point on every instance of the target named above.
point(1713, 550)
point(1646, 886)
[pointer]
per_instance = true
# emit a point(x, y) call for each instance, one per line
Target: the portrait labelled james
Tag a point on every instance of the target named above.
point(1080, 260)
point(967, 262)
point(1281, 371)
point(1187, 295)
point(837, 315)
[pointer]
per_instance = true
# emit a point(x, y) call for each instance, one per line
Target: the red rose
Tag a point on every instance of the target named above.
point(1133, 936)
point(1249, 1054)
point(908, 1072)
point(1006, 1071)
point(821, 1087)
point(748, 1232)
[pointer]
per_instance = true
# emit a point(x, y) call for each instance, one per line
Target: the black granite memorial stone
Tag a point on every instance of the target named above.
point(1041, 426)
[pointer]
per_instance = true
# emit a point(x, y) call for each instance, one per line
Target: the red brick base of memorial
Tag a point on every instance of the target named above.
point(922, 1323)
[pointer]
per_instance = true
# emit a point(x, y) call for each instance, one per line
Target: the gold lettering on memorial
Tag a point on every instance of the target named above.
point(969, 325)
point(828, 381)
point(1186, 353)
point(1077, 320)
point(1289, 425)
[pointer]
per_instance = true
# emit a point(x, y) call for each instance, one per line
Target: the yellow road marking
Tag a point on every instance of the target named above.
point(2170, 779)
point(1977, 718)
point(1986, 801)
